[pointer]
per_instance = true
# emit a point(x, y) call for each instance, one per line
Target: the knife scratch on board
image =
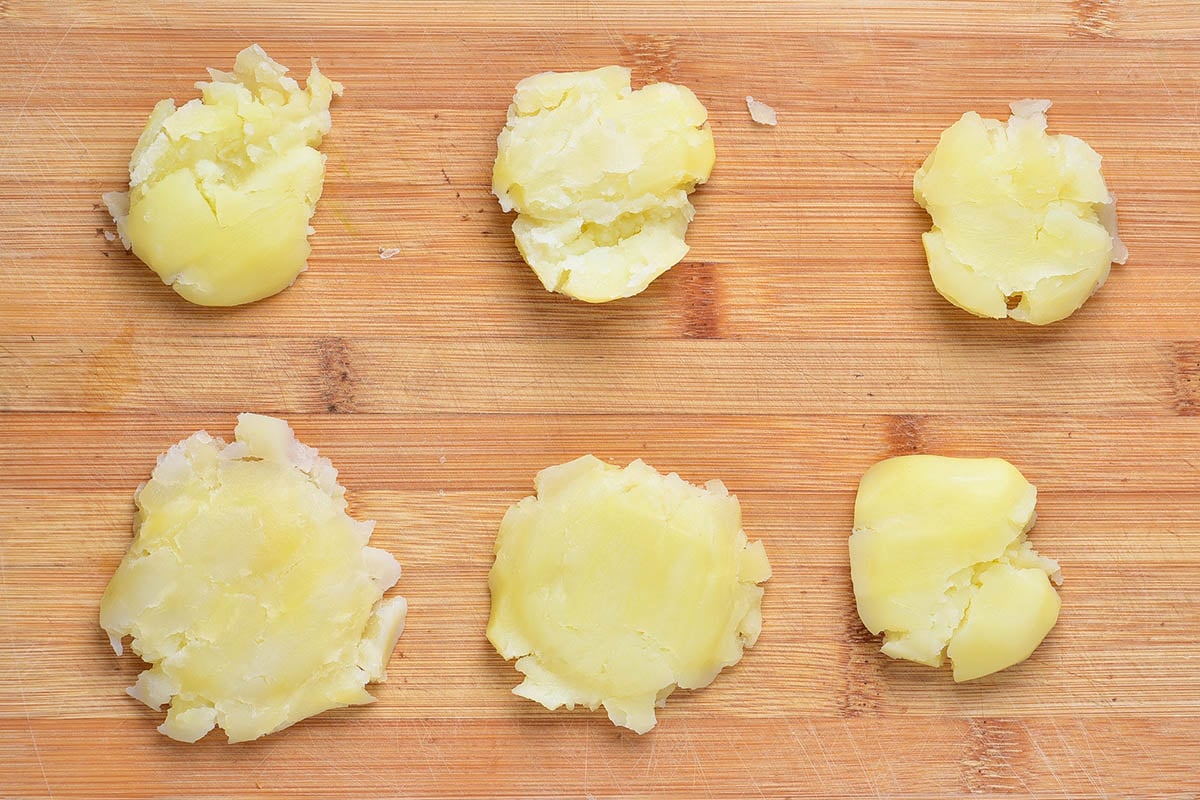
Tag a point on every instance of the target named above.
point(697, 761)
point(866, 770)
point(867, 31)
point(737, 751)
point(1041, 753)
point(1095, 770)
point(37, 751)
point(33, 87)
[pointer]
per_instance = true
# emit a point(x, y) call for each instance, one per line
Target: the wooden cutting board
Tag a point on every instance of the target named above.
point(798, 343)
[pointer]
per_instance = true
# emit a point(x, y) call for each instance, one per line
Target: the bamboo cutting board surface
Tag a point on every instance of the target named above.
point(798, 343)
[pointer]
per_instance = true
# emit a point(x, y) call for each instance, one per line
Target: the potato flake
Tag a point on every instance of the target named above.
point(760, 112)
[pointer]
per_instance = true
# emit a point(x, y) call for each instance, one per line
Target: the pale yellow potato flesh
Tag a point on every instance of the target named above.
point(599, 176)
point(1023, 223)
point(941, 565)
point(613, 586)
point(249, 589)
point(221, 189)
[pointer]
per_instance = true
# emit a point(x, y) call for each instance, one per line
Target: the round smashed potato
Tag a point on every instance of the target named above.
point(941, 566)
point(1023, 223)
point(221, 189)
point(249, 589)
point(599, 176)
point(613, 586)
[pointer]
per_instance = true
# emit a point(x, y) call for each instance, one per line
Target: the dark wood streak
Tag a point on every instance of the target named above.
point(1185, 377)
point(905, 434)
point(701, 299)
point(861, 690)
point(336, 375)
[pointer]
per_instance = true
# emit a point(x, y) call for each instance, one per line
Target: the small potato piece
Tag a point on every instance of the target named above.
point(221, 189)
point(761, 113)
point(941, 566)
point(1023, 223)
point(599, 176)
point(613, 586)
point(249, 589)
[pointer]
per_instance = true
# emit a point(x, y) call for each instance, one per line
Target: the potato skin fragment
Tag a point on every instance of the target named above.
point(613, 586)
point(599, 176)
point(1023, 223)
point(761, 113)
point(223, 187)
point(249, 589)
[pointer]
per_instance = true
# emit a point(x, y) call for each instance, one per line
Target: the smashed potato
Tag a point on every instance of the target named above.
point(599, 176)
point(1023, 223)
point(613, 586)
point(249, 589)
point(221, 189)
point(942, 567)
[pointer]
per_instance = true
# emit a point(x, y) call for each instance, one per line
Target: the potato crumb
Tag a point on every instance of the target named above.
point(388, 252)
point(761, 113)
